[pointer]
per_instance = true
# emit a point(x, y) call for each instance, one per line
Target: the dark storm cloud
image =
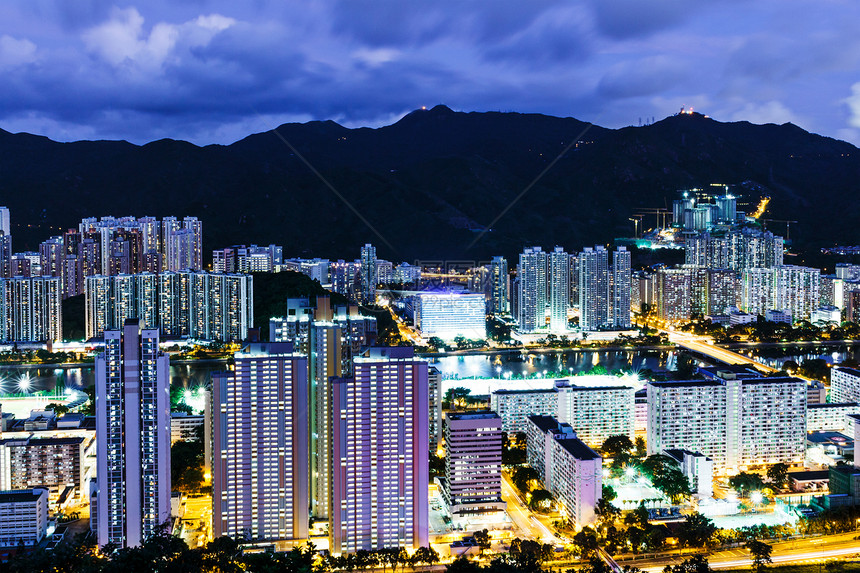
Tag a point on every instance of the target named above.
point(215, 70)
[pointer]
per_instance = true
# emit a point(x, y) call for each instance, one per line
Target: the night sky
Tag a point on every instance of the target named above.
point(215, 71)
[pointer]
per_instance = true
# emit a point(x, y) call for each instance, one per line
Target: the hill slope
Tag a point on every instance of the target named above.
point(430, 183)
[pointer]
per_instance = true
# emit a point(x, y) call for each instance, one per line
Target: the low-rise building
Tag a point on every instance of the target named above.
point(698, 468)
point(53, 464)
point(183, 427)
point(23, 517)
point(597, 412)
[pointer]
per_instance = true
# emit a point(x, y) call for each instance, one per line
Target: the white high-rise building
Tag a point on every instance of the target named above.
point(31, 309)
point(569, 469)
point(559, 284)
point(133, 436)
point(196, 227)
point(595, 413)
point(260, 445)
point(380, 467)
point(787, 288)
point(531, 272)
point(844, 384)
point(621, 286)
point(737, 423)
point(594, 289)
point(180, 250)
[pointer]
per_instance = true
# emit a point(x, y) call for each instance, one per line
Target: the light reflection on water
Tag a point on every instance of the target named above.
point(493, 365)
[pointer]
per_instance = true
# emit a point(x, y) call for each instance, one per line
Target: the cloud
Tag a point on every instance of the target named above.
point(122, 40)
point(15, 52)
point(120, 68)
point(641, 77)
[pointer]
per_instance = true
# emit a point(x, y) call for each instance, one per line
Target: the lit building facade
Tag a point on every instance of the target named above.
point(595, 413)
point(532, 295)
point(569, 469)
point(449, 315)
point(737, 423)
point(133, 436)
point(31, 309)
point(260, 445)
point(380, 468)
point(473, 462)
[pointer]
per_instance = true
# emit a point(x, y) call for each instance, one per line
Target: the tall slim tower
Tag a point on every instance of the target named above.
point(380, 466)
point(133, 436)
point(260, 445)
point(531, 310)
point(559, 282)
point(499, 292)
point(594, 293)
point(368, 274)
point(621, 284)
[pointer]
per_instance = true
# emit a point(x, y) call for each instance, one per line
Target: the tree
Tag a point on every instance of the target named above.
point(585, 542)
point(609, 493)
point(186, 466)
point(528, 556)
point(696, 531)
point(618, 448)
point(524, 478)
point(760, 552)
point(457, 396)
point(606, 512)
point(641, 449)
point(426, 555)
point(778, 474)
point(541, 500)
point(482, 538)
point(695, 564)
point(59, 409)
point(744, 483)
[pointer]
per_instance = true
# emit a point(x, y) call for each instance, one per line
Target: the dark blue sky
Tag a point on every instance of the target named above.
point(215, 71)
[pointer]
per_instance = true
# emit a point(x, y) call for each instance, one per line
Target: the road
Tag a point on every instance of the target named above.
point(529, 526)
point(703, 346)
point(196, 521)
point(807, 550)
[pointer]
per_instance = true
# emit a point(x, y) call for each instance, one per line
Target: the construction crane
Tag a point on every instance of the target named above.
point(787, 226)
point(637, 220)
point(662, 214)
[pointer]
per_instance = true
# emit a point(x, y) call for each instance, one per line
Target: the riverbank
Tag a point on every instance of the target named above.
point(544, 350)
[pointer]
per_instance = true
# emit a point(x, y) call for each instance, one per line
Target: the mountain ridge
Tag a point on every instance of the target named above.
point(431, 182)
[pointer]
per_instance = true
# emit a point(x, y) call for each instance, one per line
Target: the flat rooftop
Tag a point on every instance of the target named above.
point(577, 448)
point(544, 423)
point(487, 415)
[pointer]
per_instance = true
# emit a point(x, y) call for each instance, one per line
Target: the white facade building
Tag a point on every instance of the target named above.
point(595, 413)
point(830, 416)
point(514, 406)
point(449, 315)
point(532, 295)
point(23, 517)
point(559, 295)
point(736, 423)
point(570, 470)
point(844, 384)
